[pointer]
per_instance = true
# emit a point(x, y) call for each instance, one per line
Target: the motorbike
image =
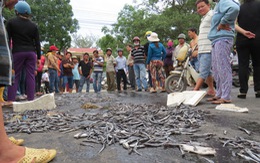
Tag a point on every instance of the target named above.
point(182, 76)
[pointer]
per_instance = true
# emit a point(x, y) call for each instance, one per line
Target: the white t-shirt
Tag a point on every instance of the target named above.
point(45, 77)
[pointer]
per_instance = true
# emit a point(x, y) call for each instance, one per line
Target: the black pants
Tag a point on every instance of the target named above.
point(119, 75)
point(131, 76)
point(47, 86)
point(245, 49)
point(38, 79)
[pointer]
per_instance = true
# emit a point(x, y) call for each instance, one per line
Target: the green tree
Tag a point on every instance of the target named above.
point(108, 41)
point(175, 17)
point(54, 19)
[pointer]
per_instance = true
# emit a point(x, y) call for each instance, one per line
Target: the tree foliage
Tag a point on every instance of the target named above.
point(168, 18)
point(54, 19)
point(108, 41)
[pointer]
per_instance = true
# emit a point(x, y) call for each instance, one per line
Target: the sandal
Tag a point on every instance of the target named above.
point(16, 141)
point(213, 98)
point(241, 95)
point(38, 155)
point(221, 101)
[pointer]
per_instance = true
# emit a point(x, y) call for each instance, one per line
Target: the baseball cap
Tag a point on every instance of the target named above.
point(53, 48)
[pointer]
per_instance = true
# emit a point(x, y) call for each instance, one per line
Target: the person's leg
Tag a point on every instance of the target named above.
point(77, 85)
point(22, 83)
point(65, 81)
point(113, 81)
point(87, 83)
point(137, 76)
point(95, 80)
point(150, 82)
point(8, 151)
point(124, 80)
point(18, 60)
point(215, 72)
point(47, 86)
point(108, 82)
point(57, 81)
point(161, 77)
point(205, 73)
point(81, 83)
point(38, 82)
point(70, 83)
point(118, 80)
point(210, 83)
point(30, 65)
point(99, 81)
point(131, 76)
point(142, 76)
point(52, 79)
point(153, 75)
point(224, 68)
point(255, 51)
point(243, 51)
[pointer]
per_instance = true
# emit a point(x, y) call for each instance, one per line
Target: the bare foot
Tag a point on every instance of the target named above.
point(211, 92)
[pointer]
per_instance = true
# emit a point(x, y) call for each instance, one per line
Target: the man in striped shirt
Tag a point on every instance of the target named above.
point(204, 47)
point(139, 65)
point(98, 64)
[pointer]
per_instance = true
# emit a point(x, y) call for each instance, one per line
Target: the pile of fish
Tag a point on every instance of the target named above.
point(39, 121)
point(140, 126)
point(133, 126)
point(246, 149)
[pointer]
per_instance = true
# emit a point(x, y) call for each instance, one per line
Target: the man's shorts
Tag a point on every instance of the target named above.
point(204, 65)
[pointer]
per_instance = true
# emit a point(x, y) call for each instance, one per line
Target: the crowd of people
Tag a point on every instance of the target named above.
point(22, 68)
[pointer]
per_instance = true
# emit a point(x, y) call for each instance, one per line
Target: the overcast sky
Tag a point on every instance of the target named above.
point(94, 14)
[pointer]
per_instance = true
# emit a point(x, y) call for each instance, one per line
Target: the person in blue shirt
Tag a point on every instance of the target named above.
point(156, 55)
point(222, 35)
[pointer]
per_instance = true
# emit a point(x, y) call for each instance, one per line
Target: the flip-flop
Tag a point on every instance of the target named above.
point(38, 155)
point(221, 101)
point(16, 141)
point(213, 98)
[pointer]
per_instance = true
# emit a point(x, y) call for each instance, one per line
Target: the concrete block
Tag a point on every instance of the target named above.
point(45, 102)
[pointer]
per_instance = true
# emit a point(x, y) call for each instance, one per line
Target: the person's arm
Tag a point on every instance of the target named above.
point(90, 72)
point(246, 33)
point(164, 52)
point(100, 63)
point(149, 55)
point(79, 68)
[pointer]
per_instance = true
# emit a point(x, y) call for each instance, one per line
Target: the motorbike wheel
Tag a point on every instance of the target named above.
point(171, 83)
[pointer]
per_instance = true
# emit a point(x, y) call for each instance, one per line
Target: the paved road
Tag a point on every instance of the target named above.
point(69, 150)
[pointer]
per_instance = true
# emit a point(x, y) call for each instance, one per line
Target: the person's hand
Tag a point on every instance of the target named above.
point(224, 27)
point(249, 34)
point(10, 4)
point(88, 77)
point(148, 67)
